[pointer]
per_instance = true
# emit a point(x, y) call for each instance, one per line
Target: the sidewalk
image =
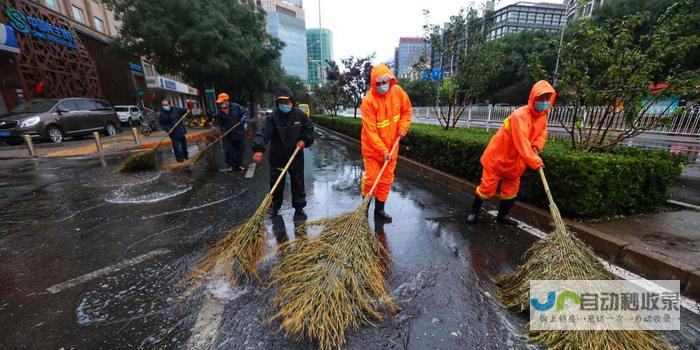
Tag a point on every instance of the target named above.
point(123, 142)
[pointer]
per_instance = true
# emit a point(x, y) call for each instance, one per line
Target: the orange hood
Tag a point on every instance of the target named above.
point(378, 71)
point(540, 88)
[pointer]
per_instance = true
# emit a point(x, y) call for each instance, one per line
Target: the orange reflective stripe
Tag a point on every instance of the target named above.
point(383, 124)
point(506, 124)
point(396, 118)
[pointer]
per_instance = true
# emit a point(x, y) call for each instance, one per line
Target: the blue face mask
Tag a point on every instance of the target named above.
point(383, 89)
point(541, 106)
point(284, 108)
point(166, 108)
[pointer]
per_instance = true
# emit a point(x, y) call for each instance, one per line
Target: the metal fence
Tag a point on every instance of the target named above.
point(686, 123)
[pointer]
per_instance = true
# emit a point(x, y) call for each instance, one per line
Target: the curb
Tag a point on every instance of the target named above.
point(630, 256)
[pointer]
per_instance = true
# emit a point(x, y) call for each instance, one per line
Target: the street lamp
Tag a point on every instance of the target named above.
point(561, 40)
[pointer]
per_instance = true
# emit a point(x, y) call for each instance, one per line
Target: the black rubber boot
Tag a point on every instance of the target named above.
point(379, 211)
point(504, 213)
point(473, 216)
point(299, 214)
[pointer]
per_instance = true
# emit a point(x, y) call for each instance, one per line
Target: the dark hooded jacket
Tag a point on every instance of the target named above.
point(283, 131)
point(168, 119)
point(236, 113)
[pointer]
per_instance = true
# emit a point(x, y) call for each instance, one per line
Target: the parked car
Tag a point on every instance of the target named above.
point(56, 119)
point(129, 114)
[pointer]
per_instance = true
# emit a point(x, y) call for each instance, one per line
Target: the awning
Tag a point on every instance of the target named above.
point(8, 41)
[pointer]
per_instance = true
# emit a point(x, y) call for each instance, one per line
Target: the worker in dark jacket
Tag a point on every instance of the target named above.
point(230, 114)
point(169, 115)
point(286, 129)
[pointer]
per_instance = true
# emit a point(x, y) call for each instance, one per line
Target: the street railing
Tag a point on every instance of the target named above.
point(686, 123)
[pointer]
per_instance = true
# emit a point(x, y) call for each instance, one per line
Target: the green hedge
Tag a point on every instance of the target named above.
point(627, 180)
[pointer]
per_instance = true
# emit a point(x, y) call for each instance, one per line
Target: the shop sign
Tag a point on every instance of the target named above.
point(41, 29)
point(135, 67)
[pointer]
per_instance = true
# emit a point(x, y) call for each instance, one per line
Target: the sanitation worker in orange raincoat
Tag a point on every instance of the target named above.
point(386, 116)
point(514, 147)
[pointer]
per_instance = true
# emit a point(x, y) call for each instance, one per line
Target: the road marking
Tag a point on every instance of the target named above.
point(57, 288)
point(206, 327)
point(207, 324)
point(251, 171)
point(687, 303)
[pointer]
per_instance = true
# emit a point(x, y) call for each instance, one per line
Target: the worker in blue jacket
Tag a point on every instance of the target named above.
point(169, 115)
point(228, 115)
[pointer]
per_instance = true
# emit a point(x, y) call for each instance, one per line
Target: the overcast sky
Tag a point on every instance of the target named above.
point(361, 27)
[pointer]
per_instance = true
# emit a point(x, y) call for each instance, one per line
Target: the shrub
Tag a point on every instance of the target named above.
point(584, 184)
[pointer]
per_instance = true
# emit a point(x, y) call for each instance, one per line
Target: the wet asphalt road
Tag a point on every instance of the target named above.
point(89, 258)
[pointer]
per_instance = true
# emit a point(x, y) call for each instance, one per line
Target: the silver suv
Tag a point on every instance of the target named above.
point(129, 115)
point(56, 119)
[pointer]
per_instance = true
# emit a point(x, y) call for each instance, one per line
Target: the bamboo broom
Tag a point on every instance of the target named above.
point(562, 256)
point(146, 160)
point(244, 244)
point(200, 154)
point(333, 283)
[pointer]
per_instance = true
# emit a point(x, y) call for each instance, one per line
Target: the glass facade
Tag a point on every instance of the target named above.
point(408, 53)
point(291, 31)
point(314, 46)
point(522, 16)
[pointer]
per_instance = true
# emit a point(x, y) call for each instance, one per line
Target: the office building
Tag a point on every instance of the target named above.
point(285, 21)
point(407, 55)
point(575, 11)
point(319, 44)
point(522, 16)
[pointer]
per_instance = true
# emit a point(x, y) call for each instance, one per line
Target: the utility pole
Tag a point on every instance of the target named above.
point(561, 41)
point(320, 39)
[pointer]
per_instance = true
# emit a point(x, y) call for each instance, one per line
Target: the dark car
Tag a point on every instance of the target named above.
point(56, 119)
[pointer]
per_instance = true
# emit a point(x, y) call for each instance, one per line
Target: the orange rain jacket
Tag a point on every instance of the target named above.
point(510, 151)
point(382, 118)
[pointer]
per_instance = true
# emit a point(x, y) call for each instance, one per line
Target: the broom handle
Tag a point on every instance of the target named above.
point(284, 171)
point(386, 163)
point(546, 186)
point(220, 137)
point(171, 130)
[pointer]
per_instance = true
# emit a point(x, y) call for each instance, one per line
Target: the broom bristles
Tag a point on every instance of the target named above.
point(243, 245)
point(562, 256)
point(332, 283)
point(145, 160)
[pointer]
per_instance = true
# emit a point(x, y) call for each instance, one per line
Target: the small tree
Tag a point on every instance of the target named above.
point(331, 96)
point(355, 78)
point(627, 75)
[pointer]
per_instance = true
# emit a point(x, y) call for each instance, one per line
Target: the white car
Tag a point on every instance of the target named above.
point(129, 114)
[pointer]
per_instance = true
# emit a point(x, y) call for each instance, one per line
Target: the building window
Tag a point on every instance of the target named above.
point(99, 25)
point(147, 70)
point(52, 4)
point(78, 14)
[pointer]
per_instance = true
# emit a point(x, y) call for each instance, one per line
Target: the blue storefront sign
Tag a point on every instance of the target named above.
point(8, 41)
point(135, 67)
point(41, 29)
point(168, 84)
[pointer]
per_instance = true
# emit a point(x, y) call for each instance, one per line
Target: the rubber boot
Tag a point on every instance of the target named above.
point(473, 216)
point(504, 213)
point(299, 214)
point(379, 211)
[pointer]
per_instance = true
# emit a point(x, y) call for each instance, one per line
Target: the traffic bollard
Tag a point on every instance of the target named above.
point(30, 145)
point(97, 141)
point(136, 136)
